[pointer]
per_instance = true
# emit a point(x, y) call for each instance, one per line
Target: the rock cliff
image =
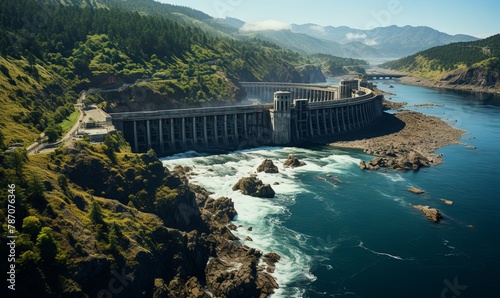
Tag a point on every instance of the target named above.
point(170, 239)
point(474, 76)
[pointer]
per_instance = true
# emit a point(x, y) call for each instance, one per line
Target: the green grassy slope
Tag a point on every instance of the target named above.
point(436, 62)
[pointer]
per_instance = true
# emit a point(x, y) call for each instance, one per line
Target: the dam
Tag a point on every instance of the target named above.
point(291, 114)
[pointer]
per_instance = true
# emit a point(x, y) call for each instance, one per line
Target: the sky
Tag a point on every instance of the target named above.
point(480, 18)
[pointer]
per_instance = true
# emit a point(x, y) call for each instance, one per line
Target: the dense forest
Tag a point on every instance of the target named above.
point(128, 43)
point(435, 62)
point(51, 52)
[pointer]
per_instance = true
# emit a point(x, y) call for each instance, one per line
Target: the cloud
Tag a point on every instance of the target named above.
point(318, 28)
point(370, 42)
point(266, 25)
point(363, 38)
point(351, 36)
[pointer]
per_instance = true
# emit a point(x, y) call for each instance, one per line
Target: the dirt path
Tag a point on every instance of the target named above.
point(68, 137)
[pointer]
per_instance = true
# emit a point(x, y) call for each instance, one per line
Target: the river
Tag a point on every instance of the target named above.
point(344, 232)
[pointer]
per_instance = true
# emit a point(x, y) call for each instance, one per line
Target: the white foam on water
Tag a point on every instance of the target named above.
point(218, 173)
point(453, 248)
point(398, 199)
point(383, 253)
point(392, 176)
point(183, 155)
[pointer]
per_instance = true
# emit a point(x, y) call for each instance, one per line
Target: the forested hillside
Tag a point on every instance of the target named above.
point(51, 52)
point(338, 66)
point(469, 63)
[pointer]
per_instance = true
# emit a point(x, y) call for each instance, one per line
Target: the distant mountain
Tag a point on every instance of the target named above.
point(310, 45)
point(391, 41)
point(474, 63)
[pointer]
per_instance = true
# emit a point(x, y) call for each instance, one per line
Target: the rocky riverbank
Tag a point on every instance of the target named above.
point(447, 84)
point(406, 140)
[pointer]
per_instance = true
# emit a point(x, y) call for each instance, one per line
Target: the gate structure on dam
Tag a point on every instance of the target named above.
point(296, 112)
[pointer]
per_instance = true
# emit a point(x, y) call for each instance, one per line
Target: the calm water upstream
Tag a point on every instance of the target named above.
point(343, 232)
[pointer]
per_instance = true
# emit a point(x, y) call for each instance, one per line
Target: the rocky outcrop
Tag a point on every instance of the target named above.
point(477, 79)
point(475, 76)
point(403, 141)
point(191, 288)
point(177, 230)
point(271, 259)
point(391, 105)
point(267, 166)
point(396, 159)
point(432, 214)
point(235, 273)
point(222, 209)
point(293, 162)
point(254, 187)
point(447, 202)
point(416, 190)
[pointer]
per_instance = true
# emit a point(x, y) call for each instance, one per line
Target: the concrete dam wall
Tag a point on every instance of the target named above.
point(297, 112)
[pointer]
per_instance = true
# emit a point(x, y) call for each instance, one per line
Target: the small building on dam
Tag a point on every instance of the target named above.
point(295, 113)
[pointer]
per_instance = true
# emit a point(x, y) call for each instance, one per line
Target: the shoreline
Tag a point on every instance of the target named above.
point(406, 140)
point(415, 81)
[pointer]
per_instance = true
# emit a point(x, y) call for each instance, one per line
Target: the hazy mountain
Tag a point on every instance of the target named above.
point(391, 41)
point(310, 45)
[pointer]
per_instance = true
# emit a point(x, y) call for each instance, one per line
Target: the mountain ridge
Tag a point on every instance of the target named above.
point(389, 42)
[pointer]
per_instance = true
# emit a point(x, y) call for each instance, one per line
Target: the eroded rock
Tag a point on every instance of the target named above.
point(447, 202)
point(267, 166)
point(293, 162)
point(222, 209)
point(432, 214)
point(254, 187)
point(415, 190)
point(235, 273)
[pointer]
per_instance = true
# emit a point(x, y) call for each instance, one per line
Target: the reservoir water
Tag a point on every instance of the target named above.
point(344, 232)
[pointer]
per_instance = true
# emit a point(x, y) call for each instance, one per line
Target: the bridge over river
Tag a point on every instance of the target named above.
point(384, 74)
point(293, 113)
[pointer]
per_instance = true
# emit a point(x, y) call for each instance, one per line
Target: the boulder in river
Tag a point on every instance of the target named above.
point(293, 162)
point(267, 166)
point(254, 187)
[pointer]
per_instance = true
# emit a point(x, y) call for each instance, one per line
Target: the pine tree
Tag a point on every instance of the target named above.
point(96, 213)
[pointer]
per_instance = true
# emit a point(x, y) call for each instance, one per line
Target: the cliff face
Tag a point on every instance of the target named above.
point(143, 229)
point(475, 76)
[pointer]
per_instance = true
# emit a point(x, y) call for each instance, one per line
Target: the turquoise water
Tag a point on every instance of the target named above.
point(343, 232)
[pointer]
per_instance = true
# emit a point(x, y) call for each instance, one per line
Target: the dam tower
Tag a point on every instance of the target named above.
point(281, 117)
